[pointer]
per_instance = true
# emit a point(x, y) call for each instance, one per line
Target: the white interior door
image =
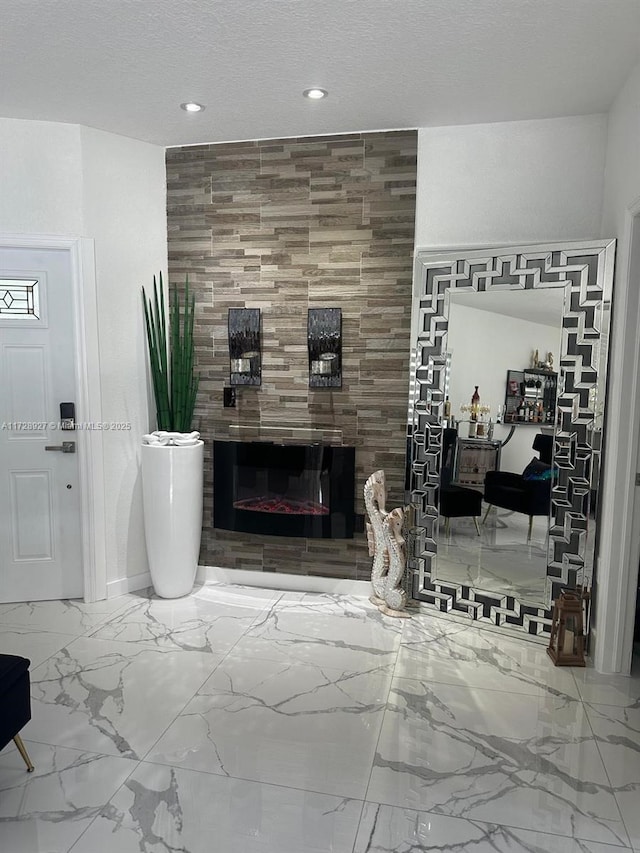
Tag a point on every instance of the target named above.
point(40, 525)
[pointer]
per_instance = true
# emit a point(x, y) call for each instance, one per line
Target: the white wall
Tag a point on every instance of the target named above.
point(40, 178)
point(124, 204)
point(483, 347)
point(510, 182)
point(67, 180)
point(618, 564)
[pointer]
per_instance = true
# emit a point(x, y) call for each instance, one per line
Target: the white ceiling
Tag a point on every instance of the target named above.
point(126, 65)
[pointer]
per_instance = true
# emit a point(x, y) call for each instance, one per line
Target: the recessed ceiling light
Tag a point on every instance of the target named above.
point(315, 94)
point(192, 107)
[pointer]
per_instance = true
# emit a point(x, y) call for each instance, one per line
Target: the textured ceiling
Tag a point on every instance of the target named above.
point(126, 65)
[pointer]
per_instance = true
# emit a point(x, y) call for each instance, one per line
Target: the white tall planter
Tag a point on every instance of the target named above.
point(172, 494)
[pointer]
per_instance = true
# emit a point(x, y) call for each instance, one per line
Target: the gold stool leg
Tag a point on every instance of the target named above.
point(486, 513)
point(475, 521)
point(530, 528)
point(23, 752)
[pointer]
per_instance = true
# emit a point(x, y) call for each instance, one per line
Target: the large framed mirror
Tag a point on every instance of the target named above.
point(505, 427)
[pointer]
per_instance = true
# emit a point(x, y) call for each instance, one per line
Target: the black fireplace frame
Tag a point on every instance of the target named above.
point(339, 462)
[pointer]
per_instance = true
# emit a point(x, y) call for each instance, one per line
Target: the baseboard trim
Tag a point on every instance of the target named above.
point(279, 580)
point(121, 586)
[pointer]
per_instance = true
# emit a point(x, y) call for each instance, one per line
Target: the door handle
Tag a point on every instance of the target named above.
point(65, 447)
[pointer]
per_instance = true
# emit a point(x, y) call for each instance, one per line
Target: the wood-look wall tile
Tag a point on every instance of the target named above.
point(284, 225)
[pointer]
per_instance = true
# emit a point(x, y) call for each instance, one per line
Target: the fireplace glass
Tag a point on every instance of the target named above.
point(284, 490)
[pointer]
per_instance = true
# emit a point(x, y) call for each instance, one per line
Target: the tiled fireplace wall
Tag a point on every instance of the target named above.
point(285, 225)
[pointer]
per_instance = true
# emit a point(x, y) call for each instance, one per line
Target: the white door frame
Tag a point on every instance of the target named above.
point(620, 547)
point(88, 400)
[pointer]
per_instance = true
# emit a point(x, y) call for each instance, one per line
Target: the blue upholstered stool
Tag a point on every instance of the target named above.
point(15, 702)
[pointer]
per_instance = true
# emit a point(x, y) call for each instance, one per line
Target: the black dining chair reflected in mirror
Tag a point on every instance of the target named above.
point(455, 501)
point(529, 492)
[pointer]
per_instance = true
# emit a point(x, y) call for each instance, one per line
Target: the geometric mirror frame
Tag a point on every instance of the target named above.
point(585, 272)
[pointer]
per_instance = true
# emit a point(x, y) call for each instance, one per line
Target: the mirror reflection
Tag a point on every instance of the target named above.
point(501, 391)
point(498, 436)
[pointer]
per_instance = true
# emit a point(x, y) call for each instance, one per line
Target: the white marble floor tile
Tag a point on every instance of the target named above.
point(162, 809)
point(599, 689)
point(64, 617)
point(280, 698)
point(617, 732)
point(211, 619)
point(111, 697)
point(528, 761)
point(327, 603)
point(323, 604)
point(46, 811)
point(334, 631)
point(437, 650)
point(29, 643)
point(289, 724)
point(385, 829)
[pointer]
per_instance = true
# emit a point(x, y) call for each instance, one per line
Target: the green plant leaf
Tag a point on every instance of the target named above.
point(172, 356)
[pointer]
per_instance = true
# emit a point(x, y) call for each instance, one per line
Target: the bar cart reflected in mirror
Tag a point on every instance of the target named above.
point(530, 396)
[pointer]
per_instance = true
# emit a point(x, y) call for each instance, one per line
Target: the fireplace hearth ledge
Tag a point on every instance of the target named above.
point(283, 581)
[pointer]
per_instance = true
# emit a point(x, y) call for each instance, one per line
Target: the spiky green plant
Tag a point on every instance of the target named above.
point(171, 356)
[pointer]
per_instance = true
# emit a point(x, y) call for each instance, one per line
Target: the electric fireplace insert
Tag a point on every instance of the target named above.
point(304, 490)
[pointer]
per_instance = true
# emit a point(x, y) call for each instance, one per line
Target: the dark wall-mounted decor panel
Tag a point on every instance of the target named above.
point(245, 354)
point(324, 341)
